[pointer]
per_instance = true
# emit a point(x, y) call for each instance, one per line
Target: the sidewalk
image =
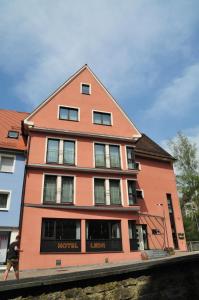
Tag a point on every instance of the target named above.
point(68, 270)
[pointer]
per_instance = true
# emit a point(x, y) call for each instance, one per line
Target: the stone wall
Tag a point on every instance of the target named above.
point(177, 282)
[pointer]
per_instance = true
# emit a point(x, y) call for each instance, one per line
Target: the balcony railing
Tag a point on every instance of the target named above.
point(104, 245)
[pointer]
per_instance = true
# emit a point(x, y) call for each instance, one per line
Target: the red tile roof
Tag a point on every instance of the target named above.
point(11, 120)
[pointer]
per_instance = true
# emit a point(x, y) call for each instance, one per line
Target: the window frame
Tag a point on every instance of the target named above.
point(12, 137)
point(105, 113)
point(7, 192)
point(81, 88)
point(60, 155)
point(107, 191)
point(136, 162)
point(107, 156)
point(14, 162)
point(58, 189)
point(127, 188)
point(68, 107)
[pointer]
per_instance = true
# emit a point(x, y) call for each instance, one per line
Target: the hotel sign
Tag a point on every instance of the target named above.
point(60, 246)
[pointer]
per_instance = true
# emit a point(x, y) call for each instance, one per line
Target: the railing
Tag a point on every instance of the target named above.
point(193, 245)
point(48, 245)
point(104, 245)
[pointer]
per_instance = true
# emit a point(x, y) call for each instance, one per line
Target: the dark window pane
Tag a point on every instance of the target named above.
point(100, 155)
point(73, 114)
point(50, 188)
point(49, 229)
point(97, 118)
point(100, 191)
point(132, 192)
point(115, 194)
point(13, 134)
point(3, 200)
point(106, 119)
point(69, 152)
point(53, 151)
point(114, 156)
point(67, 189)
point(67, 113)
point(131, 158)
point(86, 89)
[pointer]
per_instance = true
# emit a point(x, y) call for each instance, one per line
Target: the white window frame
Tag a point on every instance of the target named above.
point(102, 112)
point(137, 162)
point(107, 190)
point(85, 83)
point(58, 191)
point(7, 192)
point(107, 154)
point(70, 107)
point(14, 162)
point(61, 145)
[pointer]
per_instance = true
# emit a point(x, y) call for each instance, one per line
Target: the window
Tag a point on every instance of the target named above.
point(60, 235)
point(86, 89)
point(132, 195)
point(67, 113)
point(102, 118)
point(4, 200)
point(58, 189)
point(13, 134)
point(107, 191)
point(107, 156)
point(7, 163)
point(61, 151)
point(103, 235)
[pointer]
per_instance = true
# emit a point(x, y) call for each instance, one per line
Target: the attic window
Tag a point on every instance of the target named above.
point(13, 134)
point(86, 89)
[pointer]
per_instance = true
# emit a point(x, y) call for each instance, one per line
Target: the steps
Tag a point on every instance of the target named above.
point(156, 253)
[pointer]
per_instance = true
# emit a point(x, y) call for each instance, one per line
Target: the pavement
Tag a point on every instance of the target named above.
point(76, 269)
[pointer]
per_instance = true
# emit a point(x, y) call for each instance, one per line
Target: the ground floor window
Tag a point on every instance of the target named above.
point(137, 236)
point(103, 236)
point(4, 241)
point(60, 235)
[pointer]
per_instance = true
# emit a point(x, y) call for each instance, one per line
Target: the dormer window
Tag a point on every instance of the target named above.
point(86, 88)
point(13, 134)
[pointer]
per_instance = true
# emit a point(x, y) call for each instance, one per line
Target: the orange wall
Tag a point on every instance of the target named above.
point(98, 100)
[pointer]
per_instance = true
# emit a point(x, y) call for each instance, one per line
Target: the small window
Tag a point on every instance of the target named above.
point(69, 114)
point(6, 163)
point(13, 134)
point(132, 193)
point(102, 118)
point(4, 197)
point(86, 89)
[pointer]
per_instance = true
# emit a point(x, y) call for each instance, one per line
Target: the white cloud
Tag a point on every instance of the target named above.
point(46, 41)
point(179, 97)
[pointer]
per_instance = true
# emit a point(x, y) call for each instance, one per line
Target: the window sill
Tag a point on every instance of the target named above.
point(55, 203)
point(102, 124)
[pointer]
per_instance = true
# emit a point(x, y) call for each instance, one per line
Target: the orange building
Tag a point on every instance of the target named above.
point(96, 189)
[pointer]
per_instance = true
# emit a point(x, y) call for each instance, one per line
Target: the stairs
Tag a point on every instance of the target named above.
point(156, 253)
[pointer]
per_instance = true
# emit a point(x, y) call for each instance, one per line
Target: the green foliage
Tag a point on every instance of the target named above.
point(187, 169)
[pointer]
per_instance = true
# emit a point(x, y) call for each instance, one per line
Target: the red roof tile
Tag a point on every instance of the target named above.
point(11, 120)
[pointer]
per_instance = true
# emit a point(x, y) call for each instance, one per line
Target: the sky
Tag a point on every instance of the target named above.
point(145, 52)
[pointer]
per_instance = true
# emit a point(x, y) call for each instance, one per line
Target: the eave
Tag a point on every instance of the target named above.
point(83, 170)
point(135, 208)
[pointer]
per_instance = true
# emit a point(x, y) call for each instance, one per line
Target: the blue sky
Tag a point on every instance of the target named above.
point(145, 52)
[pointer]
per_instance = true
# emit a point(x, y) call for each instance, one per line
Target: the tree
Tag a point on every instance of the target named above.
point(187, 170)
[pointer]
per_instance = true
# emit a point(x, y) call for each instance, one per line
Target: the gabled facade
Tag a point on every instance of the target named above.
point(12, 164)
point(94, 183)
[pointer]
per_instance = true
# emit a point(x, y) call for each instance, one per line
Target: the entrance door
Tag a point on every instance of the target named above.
point(4, 238)
point(137, 236)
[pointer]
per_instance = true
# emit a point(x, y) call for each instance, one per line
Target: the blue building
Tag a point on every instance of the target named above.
point(12, 164)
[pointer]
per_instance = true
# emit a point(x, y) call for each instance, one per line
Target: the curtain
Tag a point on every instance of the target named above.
point(69, 152)
point(99, 155)
point(50, 188)
point(115, 192)
point(114, 156)
point(67, 189)
point(131, 158)
point(53, 151)
point(99, 191)
point(6, 164)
